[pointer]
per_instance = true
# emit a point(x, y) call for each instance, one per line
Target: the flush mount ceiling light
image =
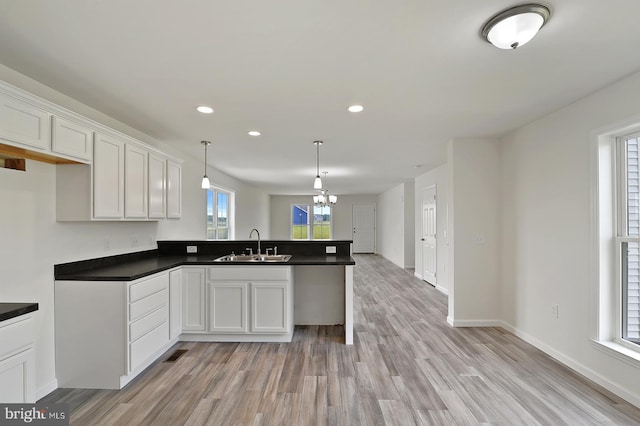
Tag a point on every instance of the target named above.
point(205, 180)
point(317, 183)
point(253, 133)
point(205, 109)
point(355, 108)
point(516, 26)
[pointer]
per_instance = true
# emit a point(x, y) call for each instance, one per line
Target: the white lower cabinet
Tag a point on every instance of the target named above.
point(269, 307)
point(228, 307)
point(194, 299)
point(244, 303)
point(17, 360)
point(107, 332)
point(175, 303)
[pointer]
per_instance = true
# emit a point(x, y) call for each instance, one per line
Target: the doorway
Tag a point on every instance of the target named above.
point(428, 238)
point(364, 228)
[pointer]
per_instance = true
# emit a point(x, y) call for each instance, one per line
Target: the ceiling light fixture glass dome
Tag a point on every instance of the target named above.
point(516, 26)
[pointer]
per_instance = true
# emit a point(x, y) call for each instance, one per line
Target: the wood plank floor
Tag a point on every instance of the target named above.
point(407, 366)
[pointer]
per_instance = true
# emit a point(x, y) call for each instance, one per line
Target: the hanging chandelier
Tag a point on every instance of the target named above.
point(324, 199)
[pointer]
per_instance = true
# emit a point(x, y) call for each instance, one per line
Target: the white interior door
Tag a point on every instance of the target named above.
point(428, 238)
point(364, 228)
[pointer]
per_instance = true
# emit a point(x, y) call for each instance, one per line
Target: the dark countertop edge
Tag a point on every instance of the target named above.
point(294, 261)
point(12, 310)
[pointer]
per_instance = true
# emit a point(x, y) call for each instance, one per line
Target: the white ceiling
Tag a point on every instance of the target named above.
point(290, 68)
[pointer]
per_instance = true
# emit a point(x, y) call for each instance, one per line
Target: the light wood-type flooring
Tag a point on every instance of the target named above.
point(407, 366)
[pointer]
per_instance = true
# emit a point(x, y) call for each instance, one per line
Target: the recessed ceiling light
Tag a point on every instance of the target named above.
point(205, 109)
point(254, 133)
point(355, 108)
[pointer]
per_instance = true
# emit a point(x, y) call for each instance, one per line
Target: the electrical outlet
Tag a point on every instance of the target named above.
point(192, 249)
point(554, 312)
point(134, 241)
point(107, 244)
point(330, 250)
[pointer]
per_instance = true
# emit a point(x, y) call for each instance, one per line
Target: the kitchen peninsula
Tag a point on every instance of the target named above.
point(131, 308)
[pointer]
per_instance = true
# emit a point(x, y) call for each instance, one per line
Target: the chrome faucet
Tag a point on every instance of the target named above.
point(257, 232)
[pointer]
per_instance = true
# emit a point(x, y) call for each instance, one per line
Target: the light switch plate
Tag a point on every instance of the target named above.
point(330, 250)
point(192, 249)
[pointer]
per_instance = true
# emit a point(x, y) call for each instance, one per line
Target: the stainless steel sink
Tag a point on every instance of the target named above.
point(274, 258)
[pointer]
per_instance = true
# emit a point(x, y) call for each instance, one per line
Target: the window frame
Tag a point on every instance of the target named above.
point(621, 238)
point(230, 212)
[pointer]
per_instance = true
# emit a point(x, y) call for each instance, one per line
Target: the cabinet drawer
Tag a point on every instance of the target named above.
point(147, 345)
point(147, 323)
point(16, 334)
point(249, 273)
point(146, 288)
point(148, 304)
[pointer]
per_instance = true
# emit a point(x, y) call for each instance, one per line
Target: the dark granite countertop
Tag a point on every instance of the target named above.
point(133, 269)
point(12, 310)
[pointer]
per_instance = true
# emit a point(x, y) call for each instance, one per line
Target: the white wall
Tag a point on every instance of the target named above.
point(475, 172)
point(390, 231)
point(409, 225)
point(31, 241)
point(437, 177)
point(280, 223)
point(546, 232)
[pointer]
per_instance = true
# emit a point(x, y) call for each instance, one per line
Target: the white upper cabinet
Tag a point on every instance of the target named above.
point(108, 177)
point(23, 124)
point(174, 189)
point(157, 183)
point(135, 181)
point(72, 139)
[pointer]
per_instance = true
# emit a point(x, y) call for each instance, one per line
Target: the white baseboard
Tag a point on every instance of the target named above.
point(417, 275)
point(442, 290)
point(475, 323)
point(622, 392)
point(46, 389)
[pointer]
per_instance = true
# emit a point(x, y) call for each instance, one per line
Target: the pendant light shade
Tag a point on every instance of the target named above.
point(317, 183)
point(205, 179)
point(516, 26)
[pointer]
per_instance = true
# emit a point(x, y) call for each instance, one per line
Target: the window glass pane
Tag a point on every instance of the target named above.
point(300, 222)
point(223, 233)
point(321, 223)
point(223, 209)
point(633, 187)
point(631, 291)
point(210, 223)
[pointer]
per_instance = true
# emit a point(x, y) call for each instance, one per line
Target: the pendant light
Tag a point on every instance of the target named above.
point(317, 183)
point(516, 26)
point(205, 180)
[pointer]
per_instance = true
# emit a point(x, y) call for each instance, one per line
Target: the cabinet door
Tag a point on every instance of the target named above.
point(175, 303)
point(108, 177)
point(72, 139)
point(157, 179)
point(174, 190)
point(193, 299)
point(135, 181)
point(17, 378)
point(228, 307)
point(269, 307)
point(24, 123)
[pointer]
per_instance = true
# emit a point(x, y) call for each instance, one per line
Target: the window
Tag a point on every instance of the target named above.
point(628, 236)
point(219, 214)
point(302, 222)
